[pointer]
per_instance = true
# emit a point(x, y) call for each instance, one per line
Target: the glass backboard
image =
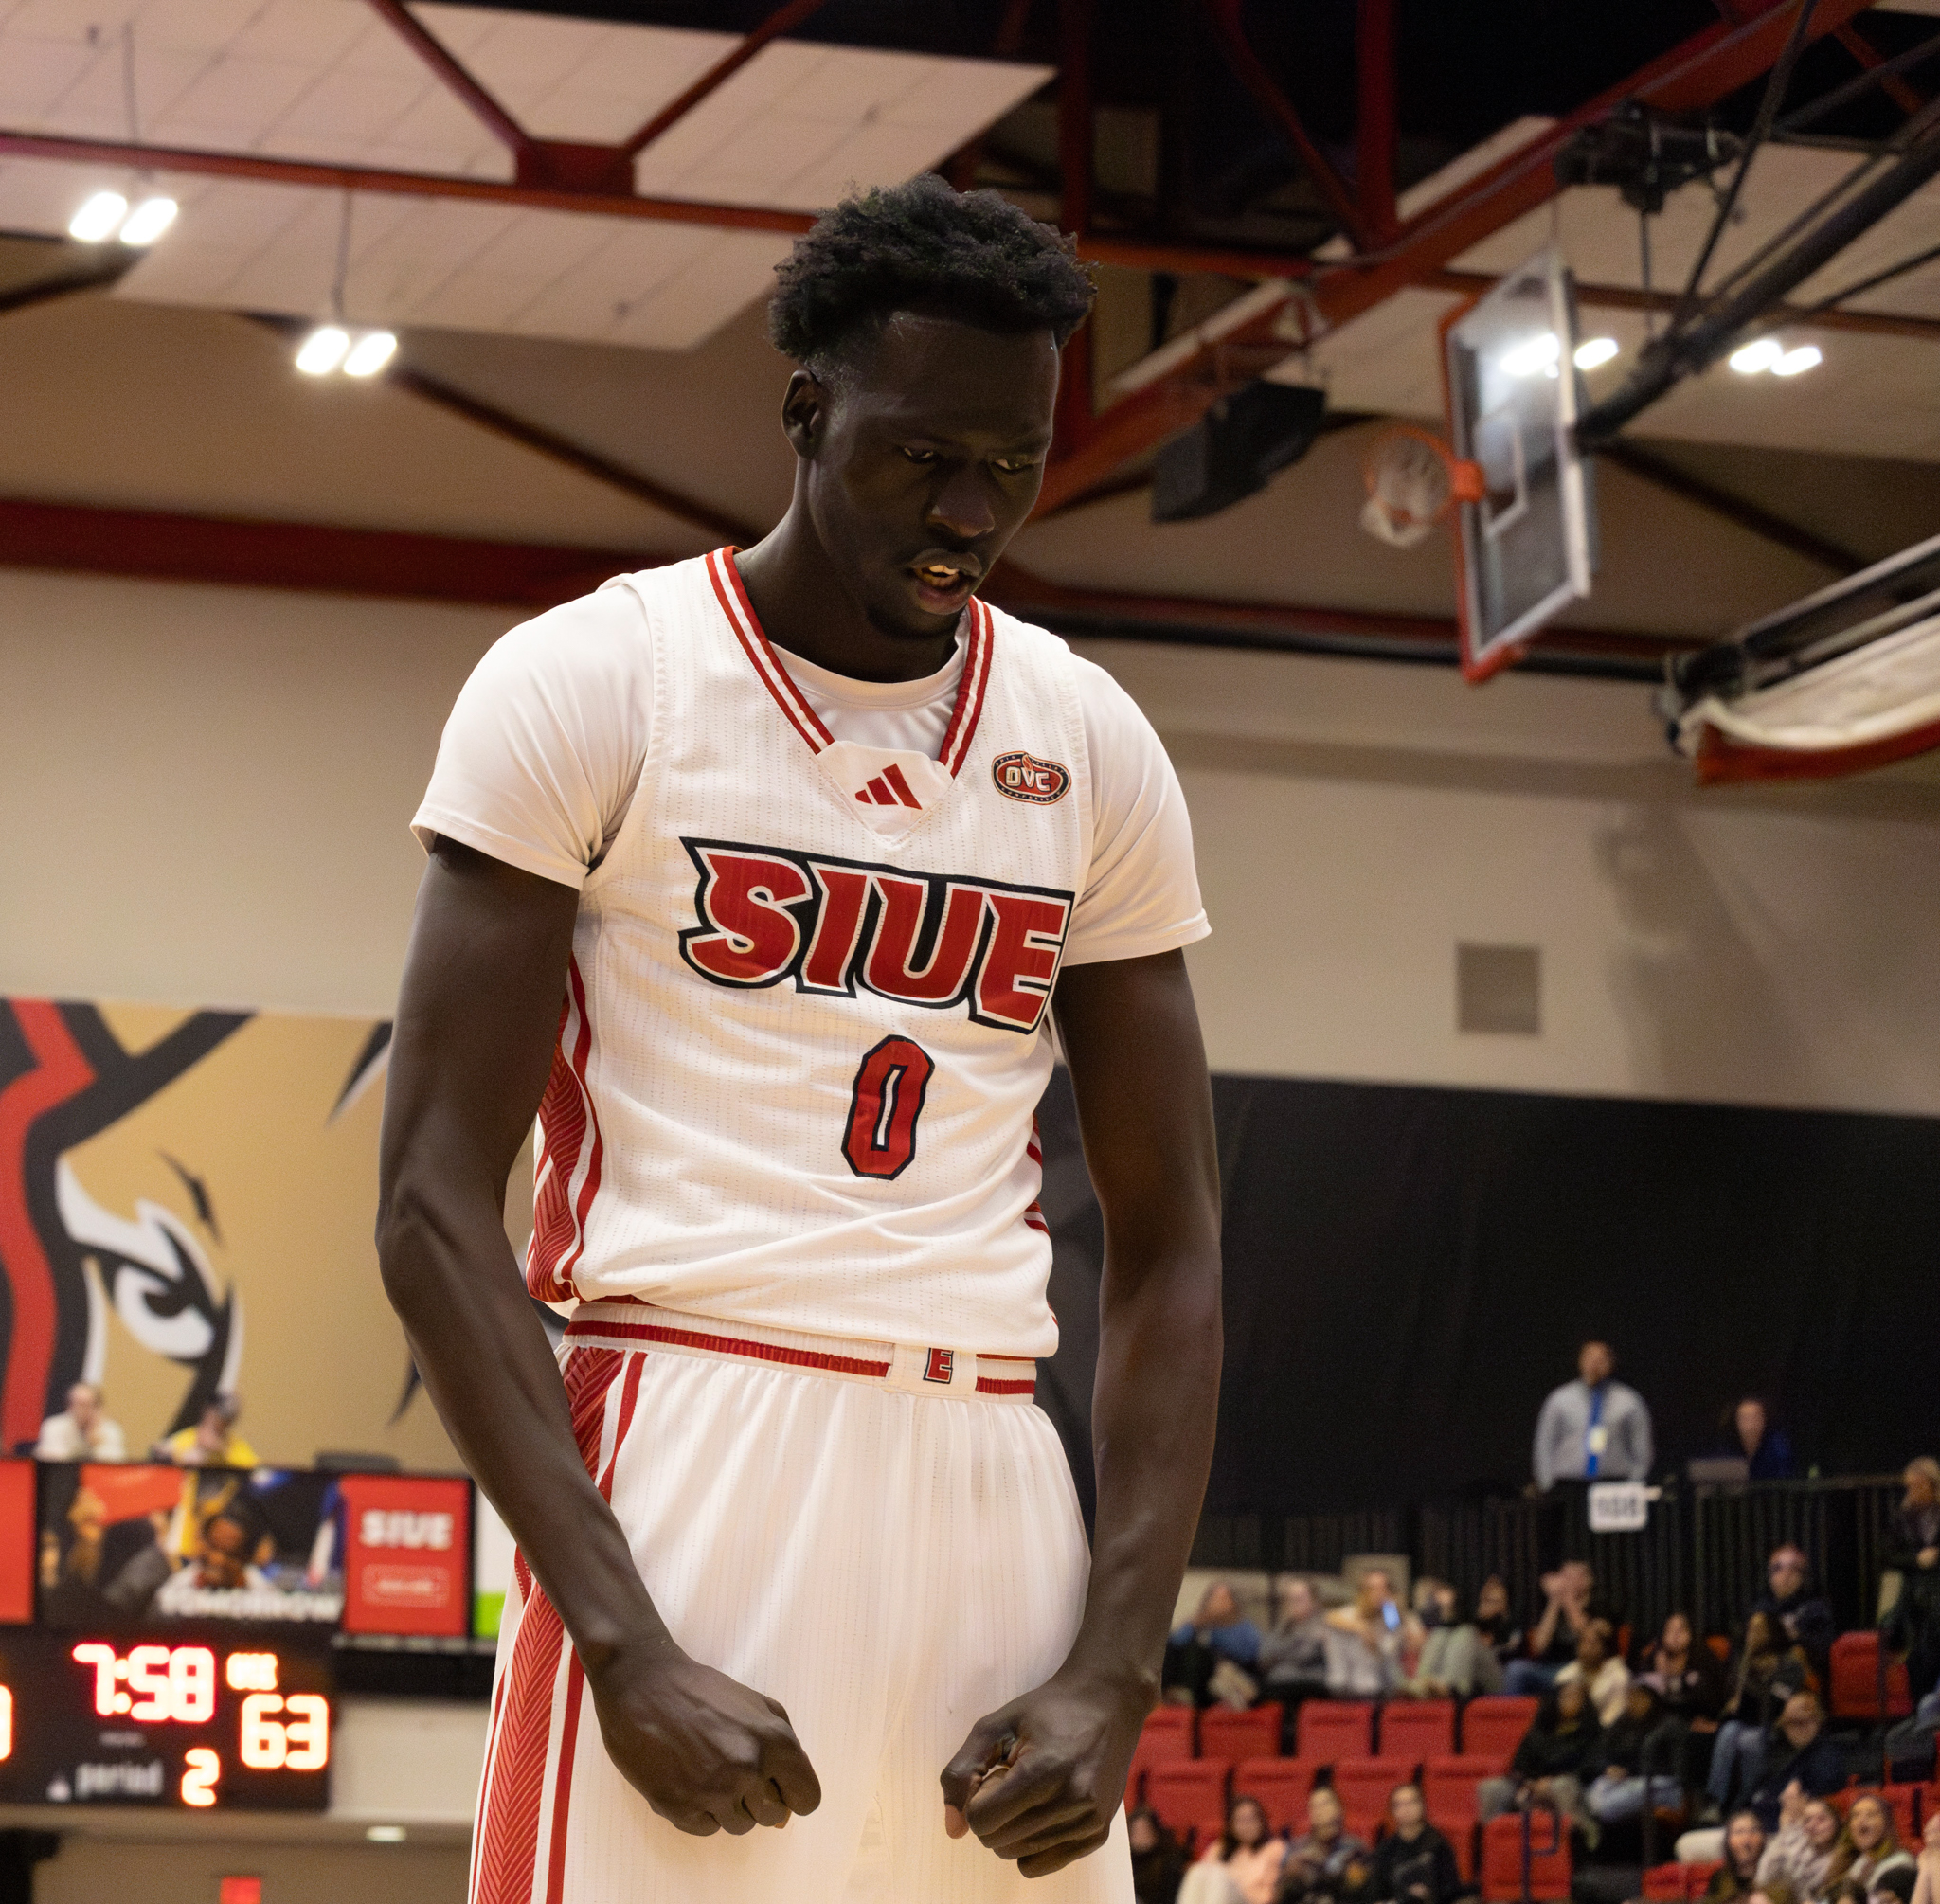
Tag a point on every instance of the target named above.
point(1525, 549)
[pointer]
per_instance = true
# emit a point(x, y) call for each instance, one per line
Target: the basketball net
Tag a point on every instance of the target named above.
point(1413, 480)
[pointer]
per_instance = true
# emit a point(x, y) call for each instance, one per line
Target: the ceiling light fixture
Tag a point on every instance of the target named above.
point(1761, 353)
point(371, 353)
point(333, 346)
point(1596, 352)
point(100, 217)
point(1804, 358)
point(323, 351)
point(147, 220)
point(386, 1833)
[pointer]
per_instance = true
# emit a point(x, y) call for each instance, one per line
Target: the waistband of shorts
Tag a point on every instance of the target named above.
point(919, 1368)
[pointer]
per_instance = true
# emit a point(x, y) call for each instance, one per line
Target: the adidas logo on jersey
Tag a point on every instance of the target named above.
point(888, 788)
point(837, 927)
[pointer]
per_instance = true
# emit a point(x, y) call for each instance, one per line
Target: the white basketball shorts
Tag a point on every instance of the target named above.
point(883, 1537)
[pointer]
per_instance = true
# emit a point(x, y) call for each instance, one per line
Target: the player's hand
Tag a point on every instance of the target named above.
point(704, 1751)
point(1041, 1780)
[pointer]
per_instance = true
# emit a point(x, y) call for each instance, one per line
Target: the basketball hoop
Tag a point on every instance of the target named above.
point(1413, 480)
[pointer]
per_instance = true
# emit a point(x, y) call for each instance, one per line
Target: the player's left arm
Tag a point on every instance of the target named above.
point(1131, 1036)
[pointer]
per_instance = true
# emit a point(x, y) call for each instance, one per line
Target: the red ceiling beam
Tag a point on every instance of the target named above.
point(158, 546)
point(783, 19)
point(153, 545)
point(536, 197)
point(1076, 132)
point(1375, 117)
point(1229, 32)
point(453, 76)
point(1700, 71)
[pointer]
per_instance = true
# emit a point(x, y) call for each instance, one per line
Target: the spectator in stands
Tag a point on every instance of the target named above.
point(1496, 1622)
point(1771, 1669)
point(1599, 1670)
point(1556, 1758)
point(1593, 1428)
point(1553, 1640)
point(1766, 1450)
point(1217, 1634)
point(1737, 1874)
point(1243, 1866)
point(1800, 1852)
point(1632, 1763)
point(1797, 1753)
point(1413, 1863)
point(81, 1431)
point(1867, 1846)
point(212, 1442)
point(1293, 1657)
point(1455, 1662)
point(1893, 1885)
point(1789, 1599)
point(1689, 1682)
point(1913, 1624)
point(1158, 1863)
point(1364, 1641)
point(1926, 1884)
point(1329, 1861)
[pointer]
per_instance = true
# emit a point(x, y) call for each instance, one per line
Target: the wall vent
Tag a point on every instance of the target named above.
point(1498, 989)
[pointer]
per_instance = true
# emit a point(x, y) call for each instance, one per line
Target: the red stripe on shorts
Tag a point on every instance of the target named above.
point(729, 1345)
point(508, 1833)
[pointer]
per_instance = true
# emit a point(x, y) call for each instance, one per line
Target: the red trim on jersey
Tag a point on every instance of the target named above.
point(729, 1345)
point(970, 689)
point(747, 624)
point(569, 1122)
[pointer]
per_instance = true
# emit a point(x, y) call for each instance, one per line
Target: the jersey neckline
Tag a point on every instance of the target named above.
point(971, 687)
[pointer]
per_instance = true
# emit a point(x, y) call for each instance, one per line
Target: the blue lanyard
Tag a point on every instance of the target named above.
point(1590, 1454)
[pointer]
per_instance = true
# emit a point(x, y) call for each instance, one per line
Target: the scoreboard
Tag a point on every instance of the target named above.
point(183, 1718)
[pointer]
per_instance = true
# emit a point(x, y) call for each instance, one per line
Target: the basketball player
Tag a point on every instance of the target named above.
point(754, 875)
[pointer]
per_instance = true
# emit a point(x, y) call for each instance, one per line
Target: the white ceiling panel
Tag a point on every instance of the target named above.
point(330, 80)
point(798, 115)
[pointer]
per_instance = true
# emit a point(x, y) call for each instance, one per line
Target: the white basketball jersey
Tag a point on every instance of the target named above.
point(806, 1034)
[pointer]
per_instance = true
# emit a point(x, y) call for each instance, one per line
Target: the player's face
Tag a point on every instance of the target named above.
point(925, 463)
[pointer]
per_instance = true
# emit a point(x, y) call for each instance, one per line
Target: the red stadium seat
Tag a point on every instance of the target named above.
point(1904, 1801)
point(1335, 1729)
point(1163, 1739)
point(1227, 1734)
point(1418, 1730)
point(1173, 1722)
point(1362, 1786)
point(1185, 1792)
point(1448, 1791)
point(1501, 1858)
point(1855, 1680)
point(1664, 1884)
point(1281, 1784)
point(1492, 1727)
point(1698, 1878)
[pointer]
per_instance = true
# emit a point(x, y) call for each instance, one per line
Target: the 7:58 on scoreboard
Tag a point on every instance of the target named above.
point(193, 1722)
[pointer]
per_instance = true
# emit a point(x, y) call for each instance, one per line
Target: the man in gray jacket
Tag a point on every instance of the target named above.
point(1593, 1428)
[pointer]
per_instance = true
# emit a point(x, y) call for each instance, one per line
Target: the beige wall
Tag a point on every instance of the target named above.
point(90, 1869)
point(204, 794)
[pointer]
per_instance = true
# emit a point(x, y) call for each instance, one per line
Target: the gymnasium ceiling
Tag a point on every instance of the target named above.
point(573, 374)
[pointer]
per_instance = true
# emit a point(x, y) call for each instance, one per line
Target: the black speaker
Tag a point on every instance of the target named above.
point(1234, 448)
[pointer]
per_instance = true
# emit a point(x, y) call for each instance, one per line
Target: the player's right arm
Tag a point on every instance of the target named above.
point(484, 978)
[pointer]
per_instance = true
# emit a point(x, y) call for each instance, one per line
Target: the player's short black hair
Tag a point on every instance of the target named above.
point(922, 246)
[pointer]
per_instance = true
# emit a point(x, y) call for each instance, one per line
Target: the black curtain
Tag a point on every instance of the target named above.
point(1409, 1271)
